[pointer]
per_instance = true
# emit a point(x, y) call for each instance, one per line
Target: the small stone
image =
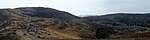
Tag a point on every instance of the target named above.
point(49, 34)
point(14, 33)
point(38, 37)
point(24, 34)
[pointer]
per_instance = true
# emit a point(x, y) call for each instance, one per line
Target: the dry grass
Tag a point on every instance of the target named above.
point(138, 35)
point(67, 33)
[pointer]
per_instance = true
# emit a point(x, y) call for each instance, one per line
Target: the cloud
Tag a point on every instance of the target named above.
point(83, 7)
point(127, 6)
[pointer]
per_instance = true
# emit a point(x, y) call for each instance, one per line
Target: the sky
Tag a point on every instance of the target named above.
point(84, 7)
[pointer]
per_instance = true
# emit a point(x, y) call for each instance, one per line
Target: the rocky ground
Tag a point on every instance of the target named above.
point(38, 23)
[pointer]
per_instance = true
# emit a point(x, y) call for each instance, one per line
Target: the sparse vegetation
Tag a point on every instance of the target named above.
point(34, 23)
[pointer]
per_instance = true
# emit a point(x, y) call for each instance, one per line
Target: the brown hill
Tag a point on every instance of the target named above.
point(39, 23)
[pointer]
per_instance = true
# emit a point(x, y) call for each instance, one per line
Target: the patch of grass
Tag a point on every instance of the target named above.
point(138, 35)
point(69, 32)
point(9, 38)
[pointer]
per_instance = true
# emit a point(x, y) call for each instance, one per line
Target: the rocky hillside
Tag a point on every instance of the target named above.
point(122, 18)
point(39, 23)
point(35, 23)
point(120, 23)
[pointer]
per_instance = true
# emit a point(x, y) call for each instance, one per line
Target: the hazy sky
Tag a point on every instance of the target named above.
point(83, 7)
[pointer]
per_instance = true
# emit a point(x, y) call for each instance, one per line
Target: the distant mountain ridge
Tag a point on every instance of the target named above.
point(123, 18)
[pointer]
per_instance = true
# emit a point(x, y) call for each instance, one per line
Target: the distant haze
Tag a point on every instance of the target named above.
point(83, 7)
